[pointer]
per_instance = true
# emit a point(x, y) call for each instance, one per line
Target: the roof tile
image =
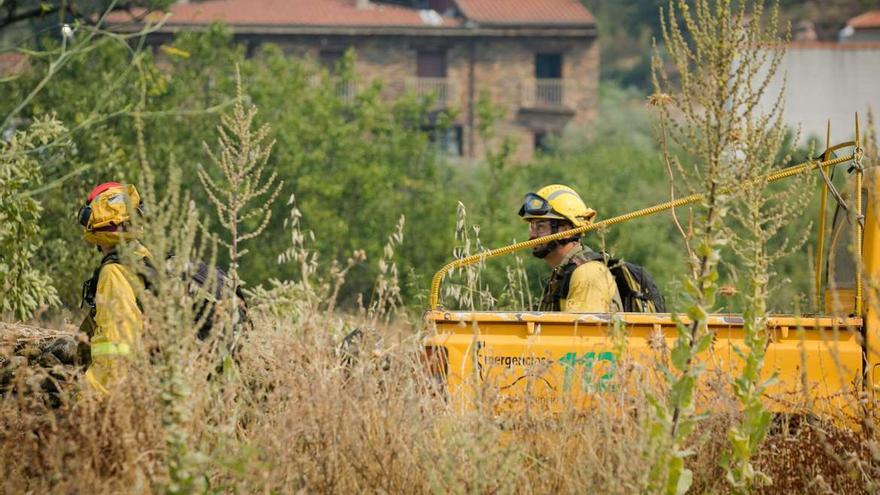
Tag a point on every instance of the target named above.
point(298, 12)
point(371, 14)
point(526, 12)
point(870, 19)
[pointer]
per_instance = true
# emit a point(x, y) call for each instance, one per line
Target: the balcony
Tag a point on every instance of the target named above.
point(547, 94)
point(442, 89)
point(345, 90)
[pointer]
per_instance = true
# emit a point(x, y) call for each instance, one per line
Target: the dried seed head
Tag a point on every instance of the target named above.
point(727, 290)
point(735, 135)
point(659, 99)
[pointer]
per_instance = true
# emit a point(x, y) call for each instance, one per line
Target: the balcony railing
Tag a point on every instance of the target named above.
point(442, 89)
point(346, 90)
point(547, 93)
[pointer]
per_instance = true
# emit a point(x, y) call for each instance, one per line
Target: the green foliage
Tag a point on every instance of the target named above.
point(244, 193)
point(735, 143)
point(626, 28)
point(613, 165)
point(88, 93)
point(355, 160)
point(174, 229)
point(712, 114)
point(759, 237)
point(26, 286)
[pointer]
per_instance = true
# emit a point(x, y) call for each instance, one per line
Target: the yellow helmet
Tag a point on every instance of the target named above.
point(107, 212)
point(557, 202)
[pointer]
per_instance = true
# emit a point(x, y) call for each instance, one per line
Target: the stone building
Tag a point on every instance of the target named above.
point(538, 60)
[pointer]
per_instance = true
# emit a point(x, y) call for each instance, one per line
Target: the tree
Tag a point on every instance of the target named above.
point(355, 164)
point(26, 286)
point(71, 11)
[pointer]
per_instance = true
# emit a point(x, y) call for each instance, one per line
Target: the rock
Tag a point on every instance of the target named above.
point(10, 367)
point(30, 351)
point(48, 360)
point(65, 350)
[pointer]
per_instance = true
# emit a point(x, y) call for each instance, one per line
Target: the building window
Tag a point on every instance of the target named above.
point(431, 64)
point(548, 84)
point(449, 141)
point(329, 59)
point(548, 66)
point(542, 142)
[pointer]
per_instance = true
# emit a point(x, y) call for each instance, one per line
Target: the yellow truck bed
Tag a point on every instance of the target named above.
point(828, 363)
point(534, 356)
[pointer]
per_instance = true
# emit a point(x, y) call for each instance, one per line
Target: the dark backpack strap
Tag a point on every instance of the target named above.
point(110, 258)
point(90, 286)
point(566, 273)
point(559, 283)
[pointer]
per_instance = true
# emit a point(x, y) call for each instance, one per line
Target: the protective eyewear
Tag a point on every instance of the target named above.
point(534, 205)
point(540, 226)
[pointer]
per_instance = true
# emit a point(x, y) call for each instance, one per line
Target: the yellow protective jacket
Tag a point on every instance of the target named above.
point(117, 322)
point(581, 285)
point(592, 289)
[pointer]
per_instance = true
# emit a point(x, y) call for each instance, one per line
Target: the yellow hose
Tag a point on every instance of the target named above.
point(820, 246)
point(693, 198)
point(857, 160)
point(859, 235)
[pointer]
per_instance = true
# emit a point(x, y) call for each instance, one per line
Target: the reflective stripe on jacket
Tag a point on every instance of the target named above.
point(100, 349)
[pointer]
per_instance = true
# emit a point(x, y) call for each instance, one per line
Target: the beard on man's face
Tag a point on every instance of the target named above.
point(541, 251)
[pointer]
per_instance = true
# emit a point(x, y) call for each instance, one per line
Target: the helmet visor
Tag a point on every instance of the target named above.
point(534, 205)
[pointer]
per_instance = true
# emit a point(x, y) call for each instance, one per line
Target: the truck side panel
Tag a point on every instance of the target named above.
point(531, 357)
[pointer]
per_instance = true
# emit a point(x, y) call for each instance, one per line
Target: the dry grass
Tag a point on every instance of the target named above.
point(296, 418)
point(16, 334)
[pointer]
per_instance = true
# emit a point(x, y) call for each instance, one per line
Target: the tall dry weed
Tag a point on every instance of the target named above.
point(294, 413)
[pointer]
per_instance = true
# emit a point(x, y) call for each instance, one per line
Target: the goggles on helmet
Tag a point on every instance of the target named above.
point(84, 214)
point(534, 205)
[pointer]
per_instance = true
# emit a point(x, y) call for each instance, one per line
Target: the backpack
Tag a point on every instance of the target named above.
point(638, 291)
point(205, 303)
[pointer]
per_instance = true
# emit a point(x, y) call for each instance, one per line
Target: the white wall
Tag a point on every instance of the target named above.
point(829, 81)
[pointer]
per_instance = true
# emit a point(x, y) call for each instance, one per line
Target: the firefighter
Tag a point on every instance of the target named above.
point(580, 280)
point(115, 321)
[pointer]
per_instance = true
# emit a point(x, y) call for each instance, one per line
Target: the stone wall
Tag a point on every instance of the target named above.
point(501, 68)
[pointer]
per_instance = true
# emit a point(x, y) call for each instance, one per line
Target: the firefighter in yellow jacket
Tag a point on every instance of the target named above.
point(580, 281)
point(115, 321)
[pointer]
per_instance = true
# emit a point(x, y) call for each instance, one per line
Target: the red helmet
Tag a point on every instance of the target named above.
point(99, 189)
point(106, 214)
